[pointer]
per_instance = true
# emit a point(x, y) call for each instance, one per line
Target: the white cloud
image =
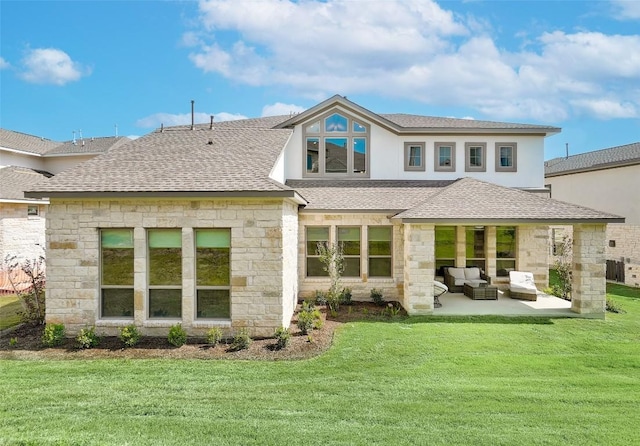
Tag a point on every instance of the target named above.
point(169, 119)
point(51, 66)
point(280, 109)
point(626, 9)
point(414, 49)
point(4, 64)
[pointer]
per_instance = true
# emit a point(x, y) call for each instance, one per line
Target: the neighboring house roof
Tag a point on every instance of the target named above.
point(619, 156)
point(226, 160)
point(472, 200)
point(15, 180)
point(22, 142)
point(404, 123)
point(35, 145)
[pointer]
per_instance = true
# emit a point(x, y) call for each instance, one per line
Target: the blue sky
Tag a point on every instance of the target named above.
point(91, 65)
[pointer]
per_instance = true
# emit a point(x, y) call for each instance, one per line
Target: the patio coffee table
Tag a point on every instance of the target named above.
point(482, 291)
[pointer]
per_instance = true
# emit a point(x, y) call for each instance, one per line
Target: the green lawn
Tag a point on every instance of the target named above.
point(432, 380)
point(9, 307)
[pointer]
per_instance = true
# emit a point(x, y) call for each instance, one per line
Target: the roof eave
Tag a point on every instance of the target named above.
point(603, 166)
point(167, 194)
point(514, 221)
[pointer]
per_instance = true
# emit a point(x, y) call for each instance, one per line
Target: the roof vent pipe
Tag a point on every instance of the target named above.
point(162, 127)
point(192, 115)
point(211, 125)
point(567, 150)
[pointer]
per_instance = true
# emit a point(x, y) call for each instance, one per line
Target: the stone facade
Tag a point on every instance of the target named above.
point(263, 261)
point(533, 253)
point(588, 294)
point(21, 235)
point(623, 245)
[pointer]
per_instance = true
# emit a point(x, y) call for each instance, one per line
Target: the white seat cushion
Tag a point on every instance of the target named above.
point(522, 282)
point(456, 273)
point(472, 273)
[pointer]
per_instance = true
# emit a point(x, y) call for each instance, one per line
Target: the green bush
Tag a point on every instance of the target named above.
point(241, 341)
point(377, 297)
point(283, 337)
point(214, 336)
point(129, 335)
point(321, 298)
point(309, 318)
point(13, 342)
point(88, 338)
point(613, 307)
point(177, 336)
point(345, 296)
point(53, 335)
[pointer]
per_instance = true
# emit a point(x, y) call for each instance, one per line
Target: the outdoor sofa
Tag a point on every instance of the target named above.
point(456, 277)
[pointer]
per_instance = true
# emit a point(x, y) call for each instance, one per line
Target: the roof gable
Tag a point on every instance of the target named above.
point(619, 156)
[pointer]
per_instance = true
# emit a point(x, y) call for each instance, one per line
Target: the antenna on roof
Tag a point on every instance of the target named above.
point(567, 149)
point(74, 138)
point(116, 126)
point(192, 117)
point(162, 127)
point(211, 125)
point(80, 132)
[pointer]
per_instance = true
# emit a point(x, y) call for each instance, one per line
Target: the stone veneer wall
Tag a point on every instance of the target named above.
point(626, 249)
point(533, 253)
point(262, 265)
point(419, 268)
point(588, 293)
point(392, 287)
point(21, 235)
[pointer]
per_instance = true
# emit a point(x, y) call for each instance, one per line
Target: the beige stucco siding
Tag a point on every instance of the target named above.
point(263, 288)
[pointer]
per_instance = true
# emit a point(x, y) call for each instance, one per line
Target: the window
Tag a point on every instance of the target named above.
point(32, 211)
point(445, 156)
point(505, 250)
point(349, 241)
point(445, 246)
point(506, 159)
point(316, 235)
point(414, 156)
point(213, 273)
point(380, 245)
point(116, 273)
point(165, 273)
point(336, 145)
point(558, 238)
point(475, 157)
point(474, 246)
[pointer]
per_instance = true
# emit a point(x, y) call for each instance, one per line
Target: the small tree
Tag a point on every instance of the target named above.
point(32, 294)
point(332, 258)
point(562, 265)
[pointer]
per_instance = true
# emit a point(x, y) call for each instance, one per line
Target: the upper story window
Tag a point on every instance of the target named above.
point(506, 159)
point(445, 156)
point(414, 156)
point(336, 145)
point(475, 157)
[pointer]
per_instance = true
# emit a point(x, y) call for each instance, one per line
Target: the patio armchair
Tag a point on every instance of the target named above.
point(455, 278)
point(522, 286)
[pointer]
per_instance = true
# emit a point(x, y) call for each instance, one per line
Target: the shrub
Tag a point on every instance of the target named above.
point(177, 336)
point(88, 338)
point(377, 297)
point(392, 310)
point(53, 335)
point(214, 336)
point(33, 297)
point(283, 337)
point(13, 342)
point(241, 341)
point(613, 307)
point(129, 335)
point(309, 318)
point(345, 296)
point(321, 298)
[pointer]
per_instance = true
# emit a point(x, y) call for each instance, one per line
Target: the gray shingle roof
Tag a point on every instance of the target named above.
point(365, 195)
point(180, 160)
point(433, 122)
point(474, 200)
point(88, 146)
point(600, 159)
point(25, 143)
point(15, 180)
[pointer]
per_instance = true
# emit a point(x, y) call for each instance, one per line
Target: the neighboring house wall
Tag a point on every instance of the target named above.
point(21, 235)
point(11, 158)
point(263, 266)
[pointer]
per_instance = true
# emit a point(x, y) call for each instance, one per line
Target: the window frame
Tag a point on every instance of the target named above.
point(451, 261)
point(514, 157)
point(33, 210)
point(357, 132)
point(307, 256)
point(151, 287)
point(515, 250)
point(436, 161)
point(467, 156)
point(379, 256)
point(210, 287)
point(351, 256)
point(407, 157)
point(484, 247)
point(103, 287)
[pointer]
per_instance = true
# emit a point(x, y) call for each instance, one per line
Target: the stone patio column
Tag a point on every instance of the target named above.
point(139, 275)
point(532, 250)
point(419, 268)
point(490, 250)
point(461, 254)
point(188, 277)
point(588, 294)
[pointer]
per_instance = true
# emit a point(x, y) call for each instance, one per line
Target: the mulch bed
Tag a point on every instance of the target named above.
point(29, 344)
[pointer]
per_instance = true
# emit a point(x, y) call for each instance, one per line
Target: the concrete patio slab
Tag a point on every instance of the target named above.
point(457, 304)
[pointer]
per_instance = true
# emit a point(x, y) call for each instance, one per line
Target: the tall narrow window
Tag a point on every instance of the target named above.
point(505, 250)
point(414, 156)
point(336, 155)
point(506, 157)
point(380, 248)
point(349, 240)
point(445, 248)
point(213, 273)
point(116, 273)
point(475, 154)
point(316, 235)
point(475, 251)
point(165, 273)
point(445, 156)
point(313, 160)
